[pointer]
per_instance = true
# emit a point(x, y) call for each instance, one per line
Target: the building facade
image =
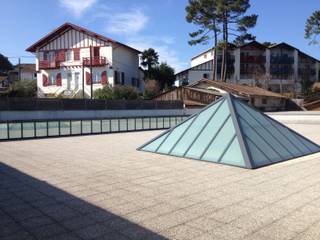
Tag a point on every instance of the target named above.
point(74, 61)
point(25, 71)
point(279, 68)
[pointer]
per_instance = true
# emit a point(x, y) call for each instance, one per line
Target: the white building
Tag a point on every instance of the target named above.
point(64, 66)
point(280, 67)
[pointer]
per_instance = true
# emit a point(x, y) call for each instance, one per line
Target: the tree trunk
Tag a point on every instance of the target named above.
point(225, 52)
point(214, 63)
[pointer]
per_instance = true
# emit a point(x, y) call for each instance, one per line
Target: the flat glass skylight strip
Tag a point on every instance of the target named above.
point(289, 146)
point(256, 137)
point(210, 127)
point(211, 153)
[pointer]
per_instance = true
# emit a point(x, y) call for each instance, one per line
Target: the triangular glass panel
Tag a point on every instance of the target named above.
point(229, 131)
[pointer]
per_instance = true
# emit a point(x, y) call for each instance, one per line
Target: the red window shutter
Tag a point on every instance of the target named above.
point(44, 80)
point(88, 78)
point(58, 80)
point(76, 54)
point(61, 56)
point(104, 79)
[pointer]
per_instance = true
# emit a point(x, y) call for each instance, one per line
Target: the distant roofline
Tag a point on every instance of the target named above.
point(231, 44)
point(269, 47)
point(51, 35)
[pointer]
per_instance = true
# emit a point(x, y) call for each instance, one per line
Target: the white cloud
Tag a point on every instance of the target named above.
point(77, 7)
point(166, 51)
point(130, 22)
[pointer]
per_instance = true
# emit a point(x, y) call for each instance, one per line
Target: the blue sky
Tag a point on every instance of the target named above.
point(144, 23)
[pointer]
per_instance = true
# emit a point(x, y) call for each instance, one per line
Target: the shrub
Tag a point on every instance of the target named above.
point(103, 93)
point(117, 92)
point(125, 92)
point(25, 88)
point(151, 88)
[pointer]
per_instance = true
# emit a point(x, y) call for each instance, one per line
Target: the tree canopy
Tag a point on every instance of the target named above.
point(149, 59)
point(5, 64)
point(312, 27)
point(164, 75)
point(220, 17)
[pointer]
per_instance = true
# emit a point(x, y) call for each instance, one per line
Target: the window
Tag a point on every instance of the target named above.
point(52, 79)
point(206, 75)
point(122, 78)
point(76, 54)
point(264, 101)
point(205, 56)
point(116, 77)
point(69, 56)
point(96, 77)
point(51, 56)
point(41, 56)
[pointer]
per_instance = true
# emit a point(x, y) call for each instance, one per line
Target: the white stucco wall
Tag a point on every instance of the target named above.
point(127, 61)
point(204, 57)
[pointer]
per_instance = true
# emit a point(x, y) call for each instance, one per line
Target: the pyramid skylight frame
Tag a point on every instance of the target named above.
point(231, 132)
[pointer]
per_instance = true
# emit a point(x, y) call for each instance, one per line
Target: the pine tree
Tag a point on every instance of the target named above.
point(312, 28)
point(235, 24)
point(220, 16)
point(204, 14)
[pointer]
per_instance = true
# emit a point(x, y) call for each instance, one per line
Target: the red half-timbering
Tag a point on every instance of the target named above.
point(45, 81)
point(88, 78)
point(58, 80)
point(76, 54)
point(104, 79)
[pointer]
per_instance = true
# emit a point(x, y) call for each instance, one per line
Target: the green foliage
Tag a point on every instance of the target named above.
point(268, 44)
point(117, 92)
point(5, 64)
point(312, 27)
point(25, 88)
point(164, 75)
point(125, 92)
point(220, 16)
point(103, 93)
point(149, 59)
point(203, 13)
point(151, 88)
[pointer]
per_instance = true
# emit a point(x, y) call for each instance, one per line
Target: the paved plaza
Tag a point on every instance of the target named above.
point(100, 187)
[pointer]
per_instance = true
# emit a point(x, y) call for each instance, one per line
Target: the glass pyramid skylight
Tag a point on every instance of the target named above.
point(231, 132)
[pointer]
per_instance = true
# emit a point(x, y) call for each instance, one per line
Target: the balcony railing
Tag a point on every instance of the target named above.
point(96, 61)
point(281, 60)
point(46, 64)
point(253, 59)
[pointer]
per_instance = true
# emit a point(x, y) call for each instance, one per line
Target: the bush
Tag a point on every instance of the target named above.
point(25, 88)
point(117, 92)
point(103, 93)
point(151, 88)
point(125, 92)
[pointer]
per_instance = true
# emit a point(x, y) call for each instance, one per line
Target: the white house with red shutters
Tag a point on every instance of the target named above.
point(72, 60)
